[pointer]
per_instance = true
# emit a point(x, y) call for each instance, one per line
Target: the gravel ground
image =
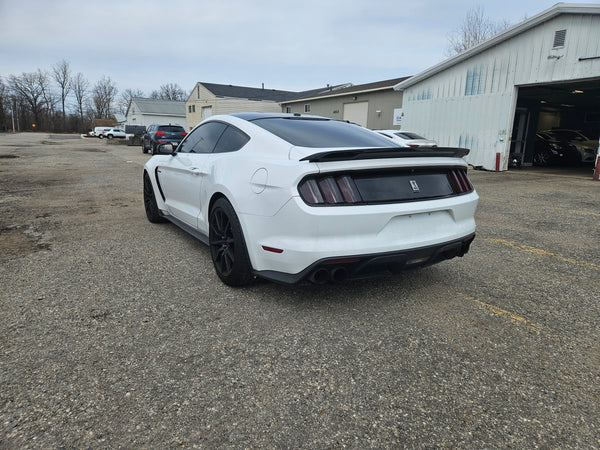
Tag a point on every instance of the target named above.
point(115, 332)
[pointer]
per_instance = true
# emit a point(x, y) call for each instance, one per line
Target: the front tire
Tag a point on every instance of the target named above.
point(227, 245)
point(542, 158)
point(152, 211)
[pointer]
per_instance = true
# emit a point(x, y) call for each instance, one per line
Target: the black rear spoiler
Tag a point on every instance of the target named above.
point(380, 153)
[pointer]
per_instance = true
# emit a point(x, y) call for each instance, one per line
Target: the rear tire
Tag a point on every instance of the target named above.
point(227, 245)
point(152, 211)
point(144, 149)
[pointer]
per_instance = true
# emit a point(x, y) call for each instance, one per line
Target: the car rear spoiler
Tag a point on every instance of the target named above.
point(379, 153)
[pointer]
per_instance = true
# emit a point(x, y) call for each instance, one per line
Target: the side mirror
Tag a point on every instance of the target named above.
point(166, 149)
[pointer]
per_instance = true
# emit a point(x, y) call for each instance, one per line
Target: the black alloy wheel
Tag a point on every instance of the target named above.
point(227, 246)
point(542, 158)
point(152, 211)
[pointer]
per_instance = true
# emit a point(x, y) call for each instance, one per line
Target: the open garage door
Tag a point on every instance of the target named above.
point(557, 124)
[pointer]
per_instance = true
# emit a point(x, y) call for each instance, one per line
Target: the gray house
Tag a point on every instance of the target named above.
point(373, 105)
point(146, 111)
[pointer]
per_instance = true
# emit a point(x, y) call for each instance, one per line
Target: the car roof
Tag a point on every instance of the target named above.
point(250, 116)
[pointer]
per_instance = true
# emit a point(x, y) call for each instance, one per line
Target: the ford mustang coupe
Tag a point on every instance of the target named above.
point(294, 198)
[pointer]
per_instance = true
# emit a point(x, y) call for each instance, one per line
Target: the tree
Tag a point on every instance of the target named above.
point(27, 91)
point(170, 91)
point(80, 88)
point(4, 106)
point(49, 97)
point(475, 29)
point(126, 97)
point(103, 96)
point(62, 75)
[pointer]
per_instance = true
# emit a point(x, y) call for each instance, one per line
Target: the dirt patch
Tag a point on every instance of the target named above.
point(17, 242)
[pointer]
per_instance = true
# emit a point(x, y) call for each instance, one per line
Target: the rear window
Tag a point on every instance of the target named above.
point(171, 128)
point(318, 133)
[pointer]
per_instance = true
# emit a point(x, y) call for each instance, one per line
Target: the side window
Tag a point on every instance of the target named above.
point(231, 140)
point(203, 138)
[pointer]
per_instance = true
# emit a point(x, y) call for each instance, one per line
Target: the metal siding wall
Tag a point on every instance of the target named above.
point(483, 122)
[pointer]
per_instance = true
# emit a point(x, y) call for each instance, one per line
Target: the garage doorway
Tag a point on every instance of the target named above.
point(357, 113)
point(563, 121)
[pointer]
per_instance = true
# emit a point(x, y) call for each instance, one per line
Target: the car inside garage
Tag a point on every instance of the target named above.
point(557, 125)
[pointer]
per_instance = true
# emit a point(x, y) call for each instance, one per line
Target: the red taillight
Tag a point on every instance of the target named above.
point(329, 191)
point(413, 145)
point(460, 182)
point(184, 134)
point(160, 133)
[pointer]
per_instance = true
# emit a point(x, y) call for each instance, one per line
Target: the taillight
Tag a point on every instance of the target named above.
point(330, 190)
point(184, 134)
point(160, 133)
point(460, 182)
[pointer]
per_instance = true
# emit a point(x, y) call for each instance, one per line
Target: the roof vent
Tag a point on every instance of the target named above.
point(559, 38)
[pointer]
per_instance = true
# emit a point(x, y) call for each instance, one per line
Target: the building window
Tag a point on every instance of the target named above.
point(288, 109)
point(193, 108)
point(559, 38)
point(474, 84)
point(307, 108)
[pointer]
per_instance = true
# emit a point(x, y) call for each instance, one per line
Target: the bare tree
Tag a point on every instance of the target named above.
point(126, 97)
point(62, 75)
point(172, 91)
point(50, 99)
point(80, 88)
point(4, 106)
point(475, 29)
point(103, 96)
point(27, 90)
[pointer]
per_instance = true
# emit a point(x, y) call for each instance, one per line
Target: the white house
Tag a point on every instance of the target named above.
point(207, 99)
point(146, 111)
point(542, 73)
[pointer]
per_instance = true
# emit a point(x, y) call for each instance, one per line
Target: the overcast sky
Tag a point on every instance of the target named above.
point(285, 44)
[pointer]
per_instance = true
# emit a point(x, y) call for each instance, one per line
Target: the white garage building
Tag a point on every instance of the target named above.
point(540, 74)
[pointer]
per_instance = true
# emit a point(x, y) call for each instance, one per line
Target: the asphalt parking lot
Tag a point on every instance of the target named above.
point(115, 332)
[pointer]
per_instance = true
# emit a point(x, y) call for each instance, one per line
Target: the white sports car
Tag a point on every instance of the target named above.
point(295, 198)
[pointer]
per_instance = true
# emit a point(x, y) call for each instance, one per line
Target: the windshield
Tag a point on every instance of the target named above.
point(322, 133)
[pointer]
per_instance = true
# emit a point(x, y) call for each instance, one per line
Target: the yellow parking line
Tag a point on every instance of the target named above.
point(539, 251)
point(511, 316)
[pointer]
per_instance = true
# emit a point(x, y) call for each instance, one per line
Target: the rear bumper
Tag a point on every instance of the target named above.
point(367, 266)
point(298, 239)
